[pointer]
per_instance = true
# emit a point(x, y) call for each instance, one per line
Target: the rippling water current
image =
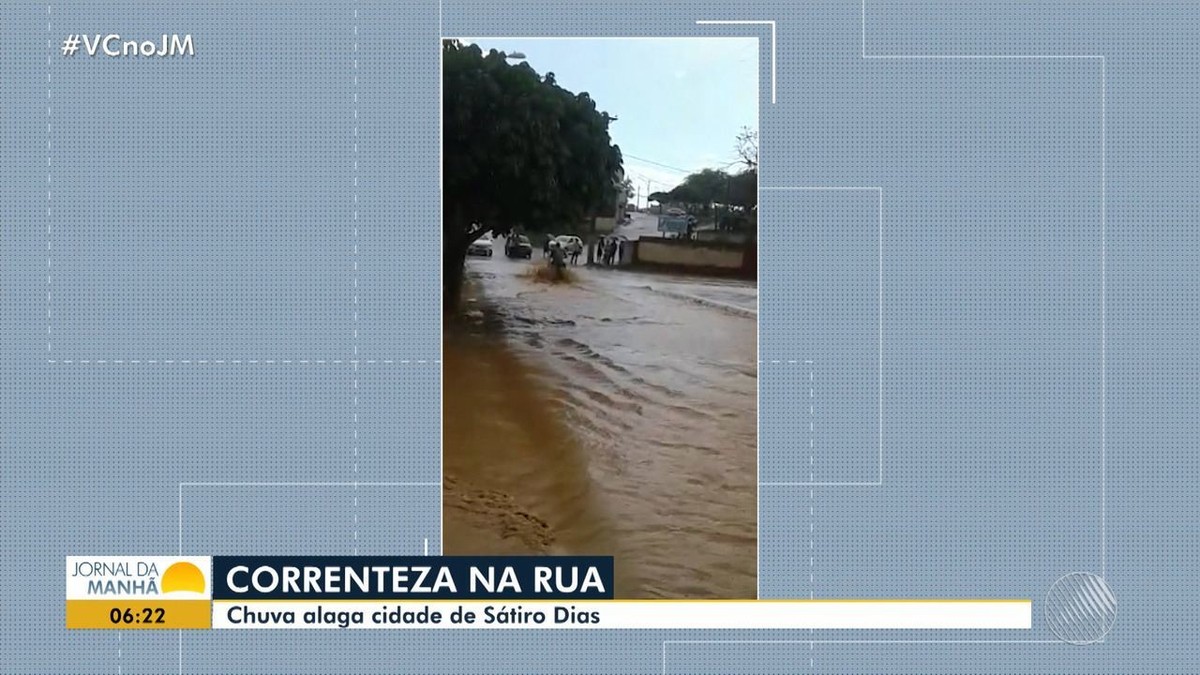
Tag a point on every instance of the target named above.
point(614, 414)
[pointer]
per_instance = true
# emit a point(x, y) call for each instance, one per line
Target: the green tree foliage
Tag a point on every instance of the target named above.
point(731, 196)
point(743, 189)
point(519, 152)
point(707, 186)
point(700, 190)
point(626, 188)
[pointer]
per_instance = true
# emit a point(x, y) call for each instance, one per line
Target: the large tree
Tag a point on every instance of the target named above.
point(701, 192)
point(519, 152)
point(698, 192)
point(743, 189)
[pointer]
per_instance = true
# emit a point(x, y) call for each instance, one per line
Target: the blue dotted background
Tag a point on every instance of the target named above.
point(201, 269)
point(820, 308)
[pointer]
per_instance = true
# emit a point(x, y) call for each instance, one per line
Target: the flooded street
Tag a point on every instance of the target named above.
point(612, 415)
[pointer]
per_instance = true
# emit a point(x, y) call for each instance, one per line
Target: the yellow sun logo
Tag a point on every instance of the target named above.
point(183, 576)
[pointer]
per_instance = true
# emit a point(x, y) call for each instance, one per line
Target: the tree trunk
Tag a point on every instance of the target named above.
point(454, 255)
point(453, 259)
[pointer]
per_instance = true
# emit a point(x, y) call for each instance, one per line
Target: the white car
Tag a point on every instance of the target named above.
point(570, 243)
point(481, 246)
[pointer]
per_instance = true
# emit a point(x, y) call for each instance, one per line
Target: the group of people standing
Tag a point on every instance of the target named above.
point(609, 251)
point(550, 247)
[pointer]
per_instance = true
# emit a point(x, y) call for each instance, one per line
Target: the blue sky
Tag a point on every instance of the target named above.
point(680, 102)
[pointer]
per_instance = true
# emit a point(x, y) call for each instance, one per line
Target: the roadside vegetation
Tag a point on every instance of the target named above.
point(708, 192)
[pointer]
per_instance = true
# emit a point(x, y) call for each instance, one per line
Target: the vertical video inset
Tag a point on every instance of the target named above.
point(600, 219)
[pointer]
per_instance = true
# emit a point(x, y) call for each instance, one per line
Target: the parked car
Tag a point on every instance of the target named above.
point(570, 243)
point(481, 246)
point(518, 246)
point(676, 213)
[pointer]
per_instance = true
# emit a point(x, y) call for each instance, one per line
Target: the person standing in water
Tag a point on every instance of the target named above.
point(557, 260)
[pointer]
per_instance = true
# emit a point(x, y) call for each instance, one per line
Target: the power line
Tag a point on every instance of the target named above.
point(642, 178)
point(723, 167)
point(650, 161)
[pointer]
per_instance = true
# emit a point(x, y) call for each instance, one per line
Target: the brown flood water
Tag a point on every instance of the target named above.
point(604, 417)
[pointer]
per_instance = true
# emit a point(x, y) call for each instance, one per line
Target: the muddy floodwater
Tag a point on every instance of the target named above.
point(611, 415)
